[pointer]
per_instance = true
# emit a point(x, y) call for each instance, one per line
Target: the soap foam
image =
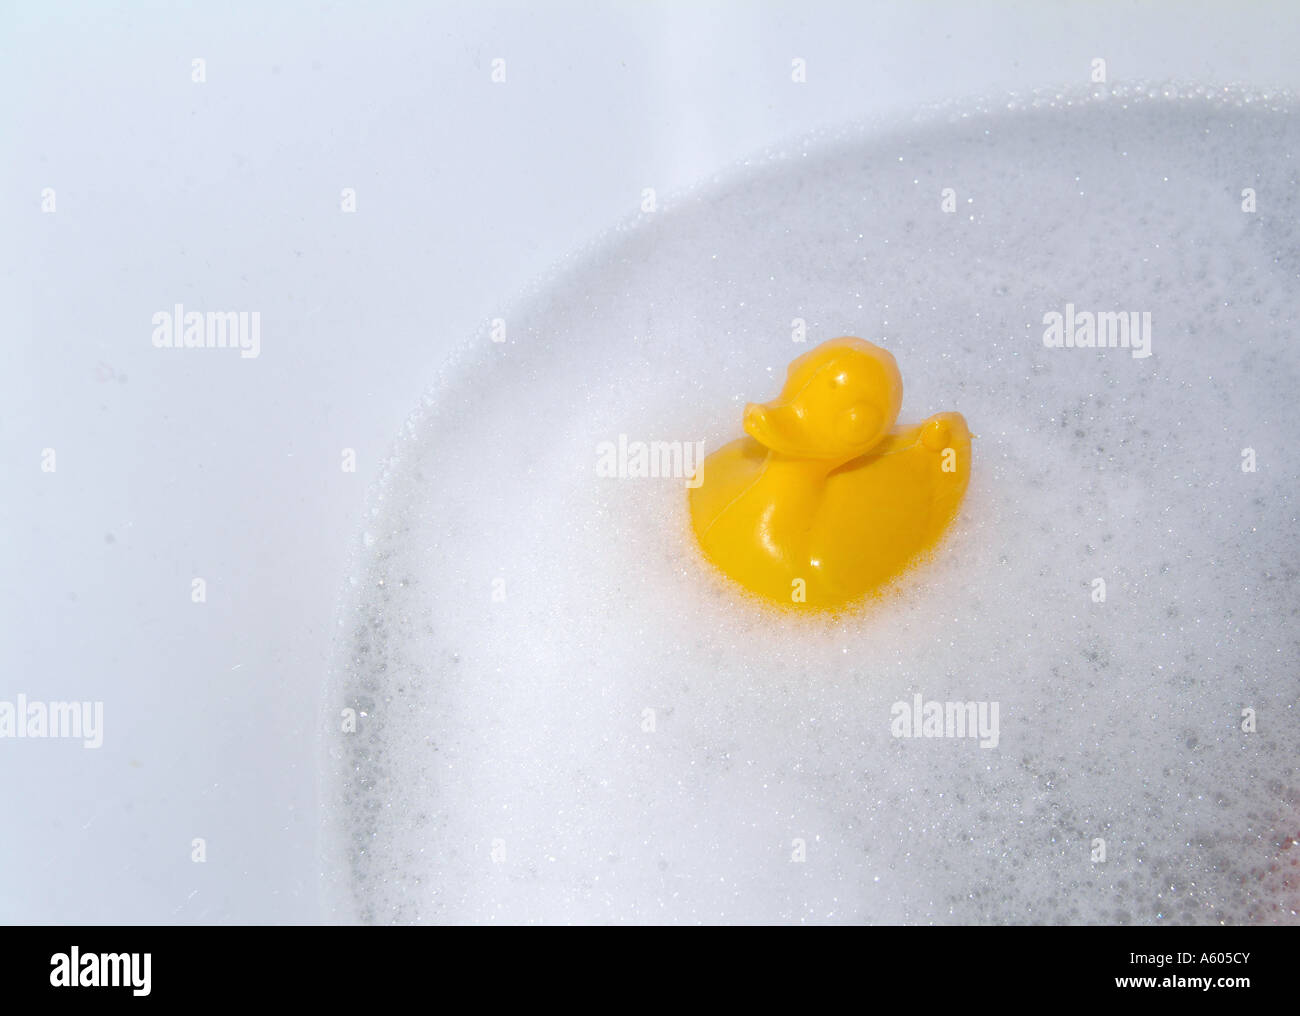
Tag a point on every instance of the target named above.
point(619, 736)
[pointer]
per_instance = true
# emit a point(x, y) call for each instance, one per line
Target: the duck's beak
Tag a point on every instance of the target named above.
point(774, 425)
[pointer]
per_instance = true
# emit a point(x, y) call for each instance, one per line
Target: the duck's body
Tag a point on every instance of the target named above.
point(826, 502)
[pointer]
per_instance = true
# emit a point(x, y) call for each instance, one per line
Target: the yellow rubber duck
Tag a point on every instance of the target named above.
point(826, 500)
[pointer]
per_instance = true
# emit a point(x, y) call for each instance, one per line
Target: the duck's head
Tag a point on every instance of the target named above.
point(838, 401)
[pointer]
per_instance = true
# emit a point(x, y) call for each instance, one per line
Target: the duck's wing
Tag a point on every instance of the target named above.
point(887, 509)
point(724, 476)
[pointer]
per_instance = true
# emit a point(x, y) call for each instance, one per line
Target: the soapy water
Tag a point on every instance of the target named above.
point(563, 715)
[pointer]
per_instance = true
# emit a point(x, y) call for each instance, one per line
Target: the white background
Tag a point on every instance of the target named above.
point(173, 464)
